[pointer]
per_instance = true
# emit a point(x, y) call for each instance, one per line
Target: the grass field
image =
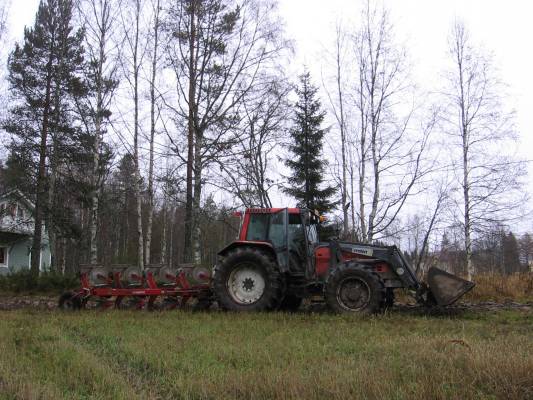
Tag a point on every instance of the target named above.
point(183, 355)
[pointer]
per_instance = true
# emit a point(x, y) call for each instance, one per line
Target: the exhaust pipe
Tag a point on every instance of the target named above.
point(447, 288)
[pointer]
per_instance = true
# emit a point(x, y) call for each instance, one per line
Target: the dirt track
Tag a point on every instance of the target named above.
point(49, 302)
point(38, 302)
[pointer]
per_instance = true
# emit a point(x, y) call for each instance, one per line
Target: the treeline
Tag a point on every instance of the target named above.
point(138, 126)
point(498, 251)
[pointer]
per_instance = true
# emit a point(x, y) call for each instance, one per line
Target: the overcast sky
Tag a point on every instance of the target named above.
point(502, 26)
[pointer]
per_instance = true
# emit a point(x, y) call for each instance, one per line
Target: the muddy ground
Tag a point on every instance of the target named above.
point(49, 302)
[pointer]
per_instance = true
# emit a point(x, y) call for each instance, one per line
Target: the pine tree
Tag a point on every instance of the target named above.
point(42, 75)
point(306, 163)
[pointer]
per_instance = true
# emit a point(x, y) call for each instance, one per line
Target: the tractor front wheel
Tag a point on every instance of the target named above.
point(247, 279)
point(354, 288)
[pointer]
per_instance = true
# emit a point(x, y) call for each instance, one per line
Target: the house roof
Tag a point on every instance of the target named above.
point(17, 195)
point(11, 237)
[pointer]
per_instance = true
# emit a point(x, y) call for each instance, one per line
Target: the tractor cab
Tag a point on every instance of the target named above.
point(291, 234)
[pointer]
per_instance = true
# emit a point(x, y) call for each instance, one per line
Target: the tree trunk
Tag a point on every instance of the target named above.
point(189, 212)
point(375, 197)
point(343, 140)
point(466, 182)
point(171, 236)
point(164, 233)
point(95, 181)
point(467, 227)
point(53, 173)
point(362, 164)
point(150, 204)
point(63, 263)
point(50, 202)
point(137, 185)
point(197, 253)
point(93, 217)
point(352, 197)
point(41, 177)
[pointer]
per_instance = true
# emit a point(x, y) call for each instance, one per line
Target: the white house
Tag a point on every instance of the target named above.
point(16, 230)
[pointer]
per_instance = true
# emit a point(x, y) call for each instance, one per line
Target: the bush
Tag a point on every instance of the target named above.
point(23, 281)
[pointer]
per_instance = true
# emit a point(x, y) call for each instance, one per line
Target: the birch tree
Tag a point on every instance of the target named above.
point(218, 51)
point(338, 103)
point(99, 19)
point(4, 13)
point(249, 171)
point(483, 133)
point(390, 148)
point(132, 61)
point(155, 35)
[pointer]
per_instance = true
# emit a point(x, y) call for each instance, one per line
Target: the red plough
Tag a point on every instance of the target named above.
point(126, 287)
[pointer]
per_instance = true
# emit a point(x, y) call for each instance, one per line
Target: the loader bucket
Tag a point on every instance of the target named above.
point(447, 288)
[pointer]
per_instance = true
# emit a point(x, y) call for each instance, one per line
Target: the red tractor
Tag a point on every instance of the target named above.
point(278, 261)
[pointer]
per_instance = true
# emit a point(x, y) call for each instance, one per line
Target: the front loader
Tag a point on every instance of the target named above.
point(278, 261)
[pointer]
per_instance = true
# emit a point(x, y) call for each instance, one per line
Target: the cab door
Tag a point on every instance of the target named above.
point(278, 236)
point(311, 239)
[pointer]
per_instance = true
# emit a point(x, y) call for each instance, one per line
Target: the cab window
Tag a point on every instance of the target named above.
point(296, 232)
point(257, 227)
point(276, 233)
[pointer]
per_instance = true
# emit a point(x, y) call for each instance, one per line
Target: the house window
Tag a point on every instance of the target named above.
point(2, 209)
point(3, 255)
point(20, 212)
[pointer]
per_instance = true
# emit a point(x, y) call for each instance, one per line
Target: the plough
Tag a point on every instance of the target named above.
point(126, 287)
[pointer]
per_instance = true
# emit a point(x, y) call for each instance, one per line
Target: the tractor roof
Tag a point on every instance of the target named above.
point(271, 210)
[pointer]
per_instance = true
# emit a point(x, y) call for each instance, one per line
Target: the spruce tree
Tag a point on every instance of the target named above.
point(307, 163)
point(42, 77)
point(511, 254)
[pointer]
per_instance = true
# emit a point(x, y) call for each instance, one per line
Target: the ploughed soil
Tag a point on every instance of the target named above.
point(49, 302)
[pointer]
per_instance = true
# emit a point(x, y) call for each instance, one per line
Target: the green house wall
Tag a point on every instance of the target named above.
point(19, 255)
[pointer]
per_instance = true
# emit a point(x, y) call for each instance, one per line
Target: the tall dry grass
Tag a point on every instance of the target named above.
point(516, 287)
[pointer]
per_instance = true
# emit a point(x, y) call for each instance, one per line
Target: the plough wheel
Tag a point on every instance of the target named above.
point(171, 303)
point(69, 301)
point(131, 304)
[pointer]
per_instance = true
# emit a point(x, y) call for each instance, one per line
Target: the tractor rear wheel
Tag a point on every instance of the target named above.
point(247, 279)
point(354, 288)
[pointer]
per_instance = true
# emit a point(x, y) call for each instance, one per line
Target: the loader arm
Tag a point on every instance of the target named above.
point(389, 254)
point(442, 287)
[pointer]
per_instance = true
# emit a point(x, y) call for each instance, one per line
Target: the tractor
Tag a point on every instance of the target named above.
point(278, 260)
